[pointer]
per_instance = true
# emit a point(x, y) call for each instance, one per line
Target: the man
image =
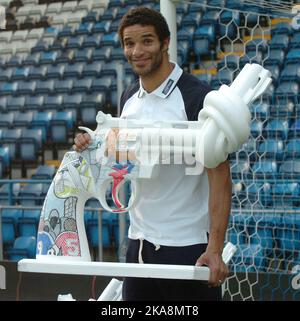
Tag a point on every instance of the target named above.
point(180, 218)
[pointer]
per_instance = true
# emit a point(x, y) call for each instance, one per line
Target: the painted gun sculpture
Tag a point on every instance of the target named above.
point(223, 126)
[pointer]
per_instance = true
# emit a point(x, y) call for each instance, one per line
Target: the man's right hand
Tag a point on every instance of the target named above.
point(82, 141)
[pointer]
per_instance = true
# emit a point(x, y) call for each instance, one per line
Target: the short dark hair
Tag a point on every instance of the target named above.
point(146, 17)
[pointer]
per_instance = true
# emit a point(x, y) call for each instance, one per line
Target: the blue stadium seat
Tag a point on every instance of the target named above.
point(5, 197)
point(224, 76)
point(250, 255)
point(10, 139)
point(44, 172)
point(45, 86)
point(92, 16)
point(294, 131)
point(32, 59)
point(293, 56)
point(4, 160)
point(92, 70)
point(229, 61)
point(110, 39)
point(240, 169)
point(26, 88)
point(256, 128)
point(265, 169)
point(282, 109)
point(275, 57)
point(74, 70)
point(292, 149)
point(8, 229)
point(20, 73)
point(84, 28)
point(101, 84)
point(9, 88)
point(48, 57)
point(210, 16)
point(276, 128)
point(93, 233)
point(82, 85)
point(63, 85)
point(61, 125)
point(27, 224)
point(15, 103)
point(30, 143)
point(290, 72)
point(74, 42)
point(272, 149)
point(295, 40)
point(282, 28)
point(110, 14)
point(24, 247)
point(290, 169)
point(279, 42)
point(7, 120)
point(37, 72)
point(288, 234)
point(260, 109)
point(93, 41)
point(285, 195)
point(34, 102)
point(23, 119)
point(30, 194)
point(41, 120)
point(91, 104)
point(84, 55)
point(258, 192)
point(102, 53)
point(53, 102)
point(68, 56)
point(5, 74)
point(55, 71)
point(72, 101)
point(101, 27)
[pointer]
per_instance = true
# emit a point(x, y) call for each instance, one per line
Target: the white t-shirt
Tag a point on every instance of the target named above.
point(173, 206)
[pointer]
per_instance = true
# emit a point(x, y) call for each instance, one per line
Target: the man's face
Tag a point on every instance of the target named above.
point(143, 49)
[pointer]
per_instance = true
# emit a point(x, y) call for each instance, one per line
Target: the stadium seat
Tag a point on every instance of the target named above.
point(285, 194)
point(61, 125)
point(9, 193)
point(63, 86)
point(24, 247)
point(265, 169)
point(10, 138)
point(272, 149)
point(55, 71)
point(290, 169)
point(4, 160)
point(41, 120)
point(275, 57)
point(279, 42)
point(7, 120)
point(23, 119)
point(240, 169)
point(93, 233)
point(294, 131)
point(45, 86)
point(91, 104)
point(256, 128)
point(290, 72)
point(44, 172)
point(292, 149)
point(53, 102)
point(276, 128)
point(30, 144)
point(74, 70)
point(288, 234)
point(252, 255)
point(37, 72)
point(29, 220)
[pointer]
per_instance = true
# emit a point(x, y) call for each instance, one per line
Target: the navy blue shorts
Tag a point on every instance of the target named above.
point(148, 289)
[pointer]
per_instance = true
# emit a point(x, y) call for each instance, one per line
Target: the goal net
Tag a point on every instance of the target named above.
point(215, 40)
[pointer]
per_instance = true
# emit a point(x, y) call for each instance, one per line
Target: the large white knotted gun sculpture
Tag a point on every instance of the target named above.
point(223, 126)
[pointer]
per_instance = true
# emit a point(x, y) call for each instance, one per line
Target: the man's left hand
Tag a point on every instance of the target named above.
point(218, 269)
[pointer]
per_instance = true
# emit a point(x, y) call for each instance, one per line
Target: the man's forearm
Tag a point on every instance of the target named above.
point(219, 205)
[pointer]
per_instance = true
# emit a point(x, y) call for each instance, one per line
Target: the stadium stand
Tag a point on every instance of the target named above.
point(58, 68)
